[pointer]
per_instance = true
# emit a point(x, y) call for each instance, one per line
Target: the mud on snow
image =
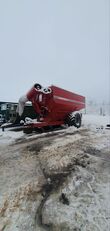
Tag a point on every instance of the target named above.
point(55, 181)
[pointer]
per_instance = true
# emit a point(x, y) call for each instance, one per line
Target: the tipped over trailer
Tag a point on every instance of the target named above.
point(54, 107)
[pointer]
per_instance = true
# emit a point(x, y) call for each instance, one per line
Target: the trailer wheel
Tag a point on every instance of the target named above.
point(77, 120)
point(69, 120)
point(73, 120)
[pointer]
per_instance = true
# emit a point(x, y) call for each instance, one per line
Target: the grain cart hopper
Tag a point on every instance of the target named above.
point(54, 107)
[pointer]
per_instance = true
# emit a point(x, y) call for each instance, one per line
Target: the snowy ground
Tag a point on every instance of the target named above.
point(56, 181)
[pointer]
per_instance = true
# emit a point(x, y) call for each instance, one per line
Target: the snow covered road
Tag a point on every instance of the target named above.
point(56, 181)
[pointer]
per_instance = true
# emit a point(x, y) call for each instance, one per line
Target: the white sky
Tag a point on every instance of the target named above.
point(60, 42)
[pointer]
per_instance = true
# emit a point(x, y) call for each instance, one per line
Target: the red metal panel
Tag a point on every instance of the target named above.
point(62, 103)
point(68, 98)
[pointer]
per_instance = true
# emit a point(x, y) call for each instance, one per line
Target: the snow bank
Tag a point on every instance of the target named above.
point(95, 120)
point(9, 136)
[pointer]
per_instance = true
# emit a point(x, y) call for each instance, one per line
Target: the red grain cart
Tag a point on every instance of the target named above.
point(56, 107)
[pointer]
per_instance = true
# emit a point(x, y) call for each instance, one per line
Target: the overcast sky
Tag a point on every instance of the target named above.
point(60, 42)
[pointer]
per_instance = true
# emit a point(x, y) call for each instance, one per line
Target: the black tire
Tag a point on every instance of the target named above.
point(73, 120)
point(69, 120)
point(77, 120)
